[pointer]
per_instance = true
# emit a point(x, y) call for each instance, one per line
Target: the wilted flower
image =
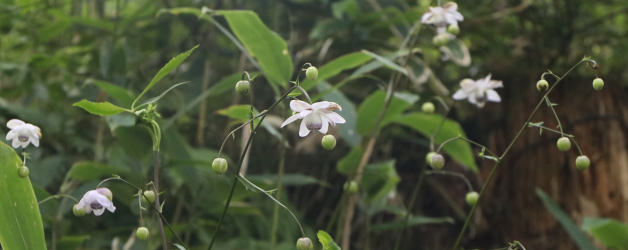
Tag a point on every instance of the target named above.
point(97, 200)
point(23, 133)
point(317, 116)
point(479, 91)
point(443, 16)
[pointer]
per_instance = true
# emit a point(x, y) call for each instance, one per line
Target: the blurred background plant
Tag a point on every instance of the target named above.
point(54, 53)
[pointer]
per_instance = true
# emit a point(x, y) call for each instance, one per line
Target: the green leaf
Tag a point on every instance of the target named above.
point(20, 220)
point(165, 70)
point(457, 52)
point(336, 66)
point(270, 50)
point(349, 163)
point(90, 171)
point(327, 241)
point(388, 63)
point(371, 107)
point(379, 179)
point(239, 113)
point(427, 124)
point(99, 108)
point(287, 180)
point(121, 95)
point(157, 98)
point(610, 232)
point(581, 239)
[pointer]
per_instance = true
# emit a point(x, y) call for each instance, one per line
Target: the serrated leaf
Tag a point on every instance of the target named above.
point(99, 108)
point(20, 220)
point(327, 241)
point(165, 70)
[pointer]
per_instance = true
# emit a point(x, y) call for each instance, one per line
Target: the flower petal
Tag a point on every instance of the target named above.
point(99, 212)
point(493, 96)
point(460, 94)
point(12, 135)
point(290, 120)
point(14, 123)
point(325, 126)
point(334, 117)
point(298, 105)
point(303, 131)
point(15, 143)
point(321, 105)
point(34, 141)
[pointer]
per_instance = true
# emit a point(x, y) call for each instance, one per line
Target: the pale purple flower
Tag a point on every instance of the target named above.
point(479, 91)
point(22, 133)
point(442, 16)
point(316, 117)
point(97, 201)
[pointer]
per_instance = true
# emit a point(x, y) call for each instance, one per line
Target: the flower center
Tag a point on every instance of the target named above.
point(313, 122)
point(96, 205)
point(22, 138)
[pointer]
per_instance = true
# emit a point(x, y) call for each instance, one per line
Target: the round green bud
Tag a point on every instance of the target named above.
point(542, 85)
point(472, 198)
point(219, 165)
point(243, 87)
point(23, 171)
point(351, 187)
point(311, 73)
point(149, 196)
point(142, 233)
point(453, 29)
point(77, 211)
point(428, 157)
point(598, 83)
point(437, 161)
point(440, 40)
point(328, 142)
point(428, 107)
point(582, 162)
point(304, 244)
point(563, 144)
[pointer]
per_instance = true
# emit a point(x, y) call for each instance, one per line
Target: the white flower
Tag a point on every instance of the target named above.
point(97, 200)
point(23, 133)
point(317, 116)
point(479, 91)
point(442, 16)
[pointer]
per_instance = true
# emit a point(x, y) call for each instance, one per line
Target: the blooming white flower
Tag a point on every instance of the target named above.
point(97, 201)
point(317, 116)
point(23, 133)
point(479, 91)
point(443, 16)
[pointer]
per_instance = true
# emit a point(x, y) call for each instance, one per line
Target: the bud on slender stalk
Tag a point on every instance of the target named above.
point(219, 165)
point(311, 73)
point(582, 162)
point(77, 211)
point(598, 83)
point(328, 142)
point(23, 171)
point(542, 85)
point(142, 233)
point(351, 187)
point(472, 198)
point(243, 87)
point(304, 244)
point(428, 107)
point(149, 196)
point(563, 144)
point(437, 161)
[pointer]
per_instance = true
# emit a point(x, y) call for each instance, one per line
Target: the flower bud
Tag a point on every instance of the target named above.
point(437, 161)
point(328, 142)
point(428, 107)
point(351, 187)
point(563, 144)
point(243, 87)
point(149, 196)
point(142, 233)
point(542, 85)
point(598, 83)
point(453, 29)
point(582, 162)
point(311, 73)
point(472, 198)
point(78, 212)
point(440, 39)
point(304, 244)
point(219, 165)
point(23, 171)
point(428, 157)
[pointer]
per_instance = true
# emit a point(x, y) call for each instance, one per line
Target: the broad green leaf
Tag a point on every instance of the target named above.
point(412, 221)
point(20, 220)
point(327, 241)
point(121, 95)
point(379, 179)
point(99, 108)
point(121, 120)
point(239, 113)
point(427, 124)
point(610, 232)
point(457, 52)
point(336, 66)
point(165, 70)
point(349, 163)
point(90, 171)
point(270, 50)
point(347, 130)
point(370, 108)
point(581, 239)
point(388, 63)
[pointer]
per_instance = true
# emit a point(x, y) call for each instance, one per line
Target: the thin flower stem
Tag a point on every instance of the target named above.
point(248, 144)
point(450, 173)
point(304, 93)
point(551, 106)
point(57, 196)
point(281, 170)
point(440, 147)
point(164, 241)
point(224, 141)
point(493, 171)
point(530, 124)
point(577, 145)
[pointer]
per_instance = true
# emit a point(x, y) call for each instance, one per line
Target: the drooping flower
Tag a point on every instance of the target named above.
point(479, 91)
point(22, 133)
point(316, 117)
point(442, 16)
point(97, 201)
